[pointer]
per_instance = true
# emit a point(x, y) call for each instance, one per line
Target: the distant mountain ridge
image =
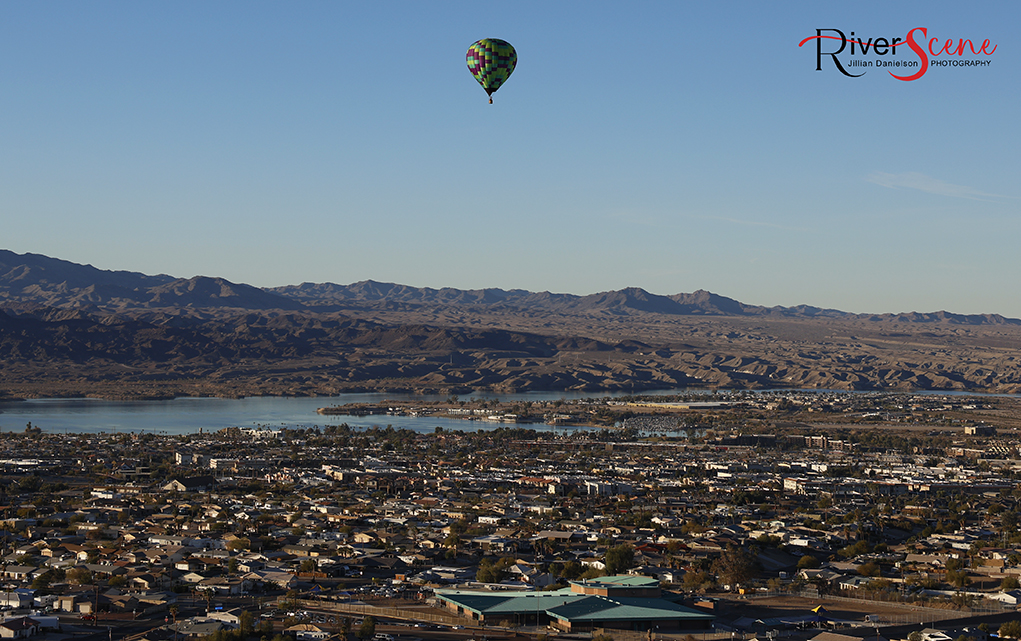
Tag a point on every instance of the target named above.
point(331, 296)
point(75, 330)
point(41, 280)
point(34, 279)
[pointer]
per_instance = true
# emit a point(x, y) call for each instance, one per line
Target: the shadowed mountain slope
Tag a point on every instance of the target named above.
point(74, 330)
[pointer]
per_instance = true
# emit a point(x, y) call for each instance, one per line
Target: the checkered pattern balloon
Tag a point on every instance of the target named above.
point(491, 61)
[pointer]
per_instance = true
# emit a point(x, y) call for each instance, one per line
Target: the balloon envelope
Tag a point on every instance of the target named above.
point(491, 61)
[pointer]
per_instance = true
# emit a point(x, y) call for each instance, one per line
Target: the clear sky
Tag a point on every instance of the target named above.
point(672, 146)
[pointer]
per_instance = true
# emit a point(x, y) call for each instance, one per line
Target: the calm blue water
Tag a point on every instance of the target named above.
point(190, 415)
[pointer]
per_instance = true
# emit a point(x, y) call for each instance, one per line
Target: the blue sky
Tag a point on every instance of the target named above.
point(673, 146)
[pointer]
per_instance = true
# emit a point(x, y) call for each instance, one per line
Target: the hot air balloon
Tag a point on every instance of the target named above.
point(491, 61)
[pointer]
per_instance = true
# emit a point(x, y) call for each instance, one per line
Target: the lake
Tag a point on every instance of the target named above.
point(190, 415)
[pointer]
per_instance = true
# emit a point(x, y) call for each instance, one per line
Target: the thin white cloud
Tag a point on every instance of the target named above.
point(921, 182)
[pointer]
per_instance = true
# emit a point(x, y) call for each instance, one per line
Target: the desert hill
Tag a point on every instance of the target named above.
point(68, 329)
point(40, 280)
point(34, 279)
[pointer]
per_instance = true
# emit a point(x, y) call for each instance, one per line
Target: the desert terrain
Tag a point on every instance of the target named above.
point(73, 330)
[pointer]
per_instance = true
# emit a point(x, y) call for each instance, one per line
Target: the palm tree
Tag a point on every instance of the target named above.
point(173, 612)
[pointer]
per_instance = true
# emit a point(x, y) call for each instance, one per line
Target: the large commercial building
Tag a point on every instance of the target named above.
point(612, 602)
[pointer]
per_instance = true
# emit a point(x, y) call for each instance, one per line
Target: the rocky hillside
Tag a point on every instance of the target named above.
point(68, 329)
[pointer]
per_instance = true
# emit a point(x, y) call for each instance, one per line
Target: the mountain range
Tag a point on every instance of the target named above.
point(71, 329)
point(34, 279)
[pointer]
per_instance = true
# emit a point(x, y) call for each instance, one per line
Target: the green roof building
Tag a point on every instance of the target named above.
point(615, 602)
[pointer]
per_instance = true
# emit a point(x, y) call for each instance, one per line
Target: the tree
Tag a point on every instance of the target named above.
point(1008, 522)
point(42, 581)
point(808, 562)
point(619, 558)
point(238, 544)
point(962, 599)
point(79, 576)
point(291, 599)
point(736, 565)
point(247, 624)
point(1010, 583)
point(452, 541)
point(265, 630)
point(490, 572)
point(851, 551)
point(1011, 629)
point(696, 580)
point(367, 629)
point(869, 569)
point(958, 578)
point(571, 570)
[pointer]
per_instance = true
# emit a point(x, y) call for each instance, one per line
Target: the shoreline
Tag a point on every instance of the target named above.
point(486, 392)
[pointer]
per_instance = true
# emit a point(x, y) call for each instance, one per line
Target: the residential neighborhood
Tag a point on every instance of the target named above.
point(744, 525)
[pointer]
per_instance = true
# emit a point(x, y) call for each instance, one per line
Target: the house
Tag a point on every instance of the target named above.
point(123, 603)
point(75, 603)
point(191, 484)
point(307, 632)
point(192, 577)
point(197, 627)
point(1010, 597)
point(152, 602)
point(232, 616)
point(250, 565)
point(866, 634)
point(824, 575)
point(149, 581)
point(225, 585)
point(659, 573)
point(18, 628)
point(854, 582)
point(283, 580)
point(934, 634)
point(162, 633)
point(495, 543)
point(17, 572)
point(15, 599)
